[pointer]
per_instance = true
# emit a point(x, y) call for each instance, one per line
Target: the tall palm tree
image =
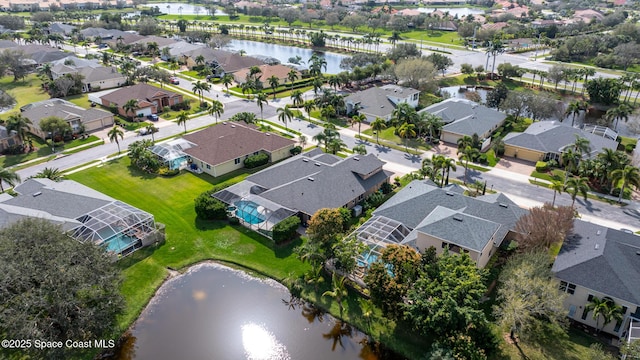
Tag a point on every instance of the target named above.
point(629, 175)
point(308, 106)
point(575, 186)
point(622, 111)
point(432, 123)
point(261, 100)
point(606, 308)
point(285, 114)
point(467, 154)
point(216, 109)
point(53, 174)
point(182, 118)
point(378, 125)
point(570, 159)
point(339, 290)
point(292, 76)
point(114, 134)
point(448, 164)
point(573, 109)
point(274, 82)
point(581, 146)
point(407, 131)
point(151, 129)
point(335, 145)
point(130, 107)
point(9, 177)
point(227, 80)
point(586, 72)
point(557, 186)
point(358, 119)
point(296, 96)
point(18, 123)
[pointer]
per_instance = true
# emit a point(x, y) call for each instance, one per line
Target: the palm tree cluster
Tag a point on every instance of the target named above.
point(330, 138)
point(608, 171)
point(438, 168)
point(606, 308)
point(410, 124)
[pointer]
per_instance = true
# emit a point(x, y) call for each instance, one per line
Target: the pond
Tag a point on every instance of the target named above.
point(183, 9)
point(463, 92)
point(215, 312)
point(283, 53)
point(460, 12)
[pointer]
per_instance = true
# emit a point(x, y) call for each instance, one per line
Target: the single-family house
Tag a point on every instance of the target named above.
point(546, 140)
point(301, 186)
point(221, 61)
point(379, 102)
point(267, 71)
point(422, 215)
point(220, 149)
point(102, 33)
point(60, 28)
point(596, 261)
point(8, 139)
point(151, 100)
point(464, 117)
point(587, 15)
point(94, 76)
point(78, 117)
point(83, 213)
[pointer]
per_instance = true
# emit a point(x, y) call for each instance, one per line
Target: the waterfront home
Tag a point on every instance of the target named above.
point(266, 72)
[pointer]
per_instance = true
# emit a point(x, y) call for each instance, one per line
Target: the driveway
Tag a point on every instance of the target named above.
point(516, 166)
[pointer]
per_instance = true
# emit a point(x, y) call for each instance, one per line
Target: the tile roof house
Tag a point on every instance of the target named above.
point(151, 100)
point(464, 117)
point(381, 101)
point(221, 61)
point(8, 139)
point(91, 119)
point(279, 71)
point(596, 261)
point(546, 140)
point(220, 149)
point(305, 184)
point(83, 213)
point(422, 215)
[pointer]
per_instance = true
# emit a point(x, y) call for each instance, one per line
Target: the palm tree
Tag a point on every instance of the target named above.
point(302, 140)
point(261, 100)
point(130, 107)
point(622, 111)
point(496, 48)
point(630, 175)
point(604, 307)
point(557, 186)
point(8, 177)
point(308, 106)
point(292, 76)
point(358, 119)
point(227, 80)
point(360, 149)
point(199, 88)
point(19, 124)
point(296, 96)
point(432, 123)
point(285, 114)
point(407, 131)
point(274, 82)
point(587, 72)
point(339, 291)
point(53, 174)
point(378, 125)
point(114, 134)
point(182, 118)
point(200, 60)
point(335, 144)
point(216, 109)
point(328, 112)
point(574, 108)
point(575, 186)
point(570, 160)
point(448, 164)
point(468, 154)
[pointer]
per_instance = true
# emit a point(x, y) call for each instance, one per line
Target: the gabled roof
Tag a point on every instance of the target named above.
point(161, 41)
point(375, 101)
point(227, 60)
point(601, 259)
point(100, 73)
point(102, 33)
point(141, 92)
point(279, 71)
point(6, 44)
point(465, 117)
point(61, 28)
point(224, 142)
point(62, 109)
point(76, 62)
point(553, 137)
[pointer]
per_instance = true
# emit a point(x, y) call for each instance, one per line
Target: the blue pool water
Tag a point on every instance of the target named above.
point(369, 259)
point(177, 163)
point(119, 242)
point(248, 211)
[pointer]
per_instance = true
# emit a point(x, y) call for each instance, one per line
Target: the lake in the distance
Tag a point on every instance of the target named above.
point(283, 53)
point(182, 9)
point(463, 11)
point(214, 312)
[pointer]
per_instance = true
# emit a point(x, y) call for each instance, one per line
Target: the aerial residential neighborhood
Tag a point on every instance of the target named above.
point(427, 179)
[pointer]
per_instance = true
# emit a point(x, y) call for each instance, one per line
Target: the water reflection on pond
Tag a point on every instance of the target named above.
point(213, 312)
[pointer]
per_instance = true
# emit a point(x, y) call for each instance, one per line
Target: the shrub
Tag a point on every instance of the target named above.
point(626, 195)
point(542, 166)
point(386, 188)
point(346, 217)
point(209, 208)
point(372, 201)
point(256, 160)
point(286, 229)
point(629, 147)
point(552, 164)
point(296, 150)
point(165, 171)
point(234, 221)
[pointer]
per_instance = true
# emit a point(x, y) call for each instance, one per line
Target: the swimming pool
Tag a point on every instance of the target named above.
point(177, 163)
point(119, 243)
point(249, 212)
point(367, 259)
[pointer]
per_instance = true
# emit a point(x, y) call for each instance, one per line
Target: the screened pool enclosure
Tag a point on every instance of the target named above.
point(171, 153)
point(119, 227)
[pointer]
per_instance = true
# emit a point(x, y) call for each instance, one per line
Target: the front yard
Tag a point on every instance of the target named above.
point(25, 92)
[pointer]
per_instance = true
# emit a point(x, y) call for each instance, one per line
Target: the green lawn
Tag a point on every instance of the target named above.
point(189, 240)
point(81, 100)
point(25, 91)
point(43, 150)
point(388, 134)
point(628, 140)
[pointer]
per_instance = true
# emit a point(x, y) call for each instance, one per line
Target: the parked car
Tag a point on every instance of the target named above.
point(174, 81)
point(152, 117)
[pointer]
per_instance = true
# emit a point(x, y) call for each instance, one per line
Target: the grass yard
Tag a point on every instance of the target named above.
point(44, 150)
point(189, 240)
point(25, 92)
point(81, 100)
point(388, 134)
point(628, 140)
point(575, 347)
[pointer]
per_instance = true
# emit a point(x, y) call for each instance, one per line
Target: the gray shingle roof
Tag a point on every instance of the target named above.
point(419, 199)
point(62, 109)
point(465, 117)
point(553, 136)
point(307, 184)
point(100, 73)
point(602, 259)
point(375, 101)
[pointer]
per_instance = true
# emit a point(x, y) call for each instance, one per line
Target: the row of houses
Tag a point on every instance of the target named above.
point(34, 5)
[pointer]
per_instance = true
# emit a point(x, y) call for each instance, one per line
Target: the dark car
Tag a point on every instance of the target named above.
point(152, 117)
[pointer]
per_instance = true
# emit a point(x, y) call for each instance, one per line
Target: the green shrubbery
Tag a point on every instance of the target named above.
point(165, 171)
point(209, 208)
point(286, 229)
point(256, 160)
point(542, 166)
point(296, 150)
